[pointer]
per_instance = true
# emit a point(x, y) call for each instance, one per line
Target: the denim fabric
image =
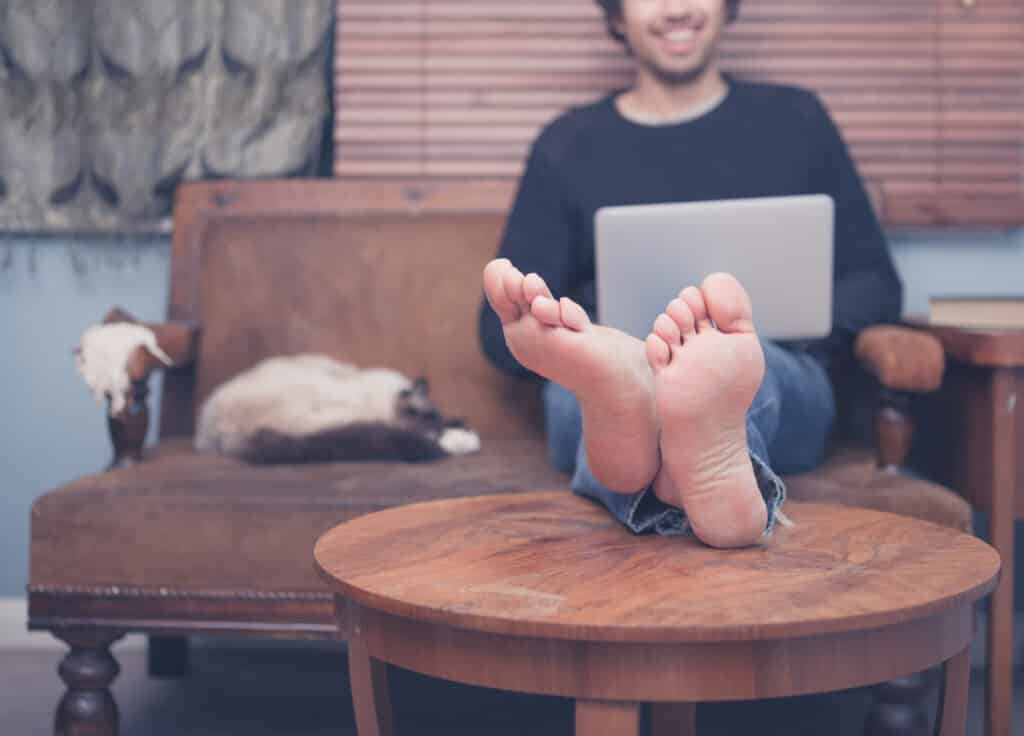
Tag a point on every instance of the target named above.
point(788, 425)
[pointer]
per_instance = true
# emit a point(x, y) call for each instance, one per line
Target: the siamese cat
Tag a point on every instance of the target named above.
point(312, 408)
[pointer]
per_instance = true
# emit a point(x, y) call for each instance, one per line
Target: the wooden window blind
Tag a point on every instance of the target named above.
point(981, 141)
point(929, 93)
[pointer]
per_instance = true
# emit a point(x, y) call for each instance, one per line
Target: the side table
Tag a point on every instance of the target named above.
point(982, 413)
point(545, 593)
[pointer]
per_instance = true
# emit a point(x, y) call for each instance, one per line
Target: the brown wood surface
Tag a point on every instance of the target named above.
point(88, 707)
point(371, 694)
point(550, 564)
point(967, 406)
point(982, 457)
point(468, 590)
point(956, 675)
point(665, 671)
point(607, 718)
point(1006, 485)
point(284, 615)
point(926, 91)
point(963, 452)
point(979, 347)
point(894, 434)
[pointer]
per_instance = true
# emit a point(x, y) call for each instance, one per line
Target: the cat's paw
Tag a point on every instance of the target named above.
point(458, 441)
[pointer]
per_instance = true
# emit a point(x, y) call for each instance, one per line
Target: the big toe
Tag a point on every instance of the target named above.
point(728, 303)
point(514, 282)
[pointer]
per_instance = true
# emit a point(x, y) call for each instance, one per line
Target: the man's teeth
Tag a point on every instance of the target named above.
point(683, 35)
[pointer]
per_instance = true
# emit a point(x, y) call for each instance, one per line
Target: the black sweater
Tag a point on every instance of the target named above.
point(761, 140)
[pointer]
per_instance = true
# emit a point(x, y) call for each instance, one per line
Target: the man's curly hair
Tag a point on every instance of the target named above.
point(613, 11)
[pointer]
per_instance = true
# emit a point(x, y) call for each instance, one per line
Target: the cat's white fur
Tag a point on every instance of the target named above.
point(458, 441)
point(303, 394)
point(102, 359)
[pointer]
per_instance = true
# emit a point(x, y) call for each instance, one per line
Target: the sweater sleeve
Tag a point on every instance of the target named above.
point(867, 289)
point(539, 238)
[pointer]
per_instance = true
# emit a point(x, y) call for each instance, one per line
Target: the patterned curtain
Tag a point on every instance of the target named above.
point(106, 105)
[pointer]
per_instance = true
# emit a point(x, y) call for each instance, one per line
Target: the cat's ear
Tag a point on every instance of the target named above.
point(420, 387)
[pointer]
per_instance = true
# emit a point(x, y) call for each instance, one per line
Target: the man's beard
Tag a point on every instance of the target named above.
point(682, 77)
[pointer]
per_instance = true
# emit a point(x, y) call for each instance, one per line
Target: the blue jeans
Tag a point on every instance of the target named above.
point(788, 424)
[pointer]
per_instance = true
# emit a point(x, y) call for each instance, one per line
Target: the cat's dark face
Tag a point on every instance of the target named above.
point(416, 411)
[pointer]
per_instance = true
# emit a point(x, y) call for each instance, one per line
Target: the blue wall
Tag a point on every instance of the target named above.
point(52, 288)
point(957, 263)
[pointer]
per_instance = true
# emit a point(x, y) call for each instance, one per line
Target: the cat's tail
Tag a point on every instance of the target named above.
point(365, 441)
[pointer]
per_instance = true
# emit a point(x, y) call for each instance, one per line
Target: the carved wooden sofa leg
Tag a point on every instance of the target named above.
point(128, 429)
point(87, 708)
point(167, 656)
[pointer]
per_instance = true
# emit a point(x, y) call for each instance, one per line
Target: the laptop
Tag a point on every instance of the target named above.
point(780, 249)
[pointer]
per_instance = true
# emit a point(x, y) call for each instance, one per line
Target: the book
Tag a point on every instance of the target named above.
point(982, 312)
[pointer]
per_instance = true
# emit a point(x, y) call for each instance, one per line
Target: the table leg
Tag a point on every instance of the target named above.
point(371, 698)
point(951, 719)
point(673, 719)
point(606, 718)
point(999, 686)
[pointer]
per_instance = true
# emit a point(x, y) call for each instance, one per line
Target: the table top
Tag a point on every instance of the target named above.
point(976, 346)
point(554, 565)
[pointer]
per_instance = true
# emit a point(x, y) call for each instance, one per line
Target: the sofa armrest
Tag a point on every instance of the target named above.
point(901, 358)
point(179, 340)
point(905, 362)
point(127, 428)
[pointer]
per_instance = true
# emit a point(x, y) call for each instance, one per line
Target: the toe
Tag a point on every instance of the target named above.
point(666, 328)
point(562, 313)
point(573, 315)
point(694, 299)
point(512, 279)
point(681, 314)
point(546, 310)
point(658, 352)
point(534, 286)
point(494, 289)
point(728, 303)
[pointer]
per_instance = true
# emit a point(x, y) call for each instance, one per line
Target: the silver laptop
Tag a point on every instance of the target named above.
point(780, 249)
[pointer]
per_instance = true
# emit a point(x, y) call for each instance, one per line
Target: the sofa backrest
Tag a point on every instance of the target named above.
point(378, 276)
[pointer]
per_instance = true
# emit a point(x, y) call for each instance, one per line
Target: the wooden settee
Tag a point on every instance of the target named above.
point(171, 543)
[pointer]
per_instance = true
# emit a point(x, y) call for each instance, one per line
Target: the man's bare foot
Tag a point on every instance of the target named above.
point(705, 377)
point(605, 368)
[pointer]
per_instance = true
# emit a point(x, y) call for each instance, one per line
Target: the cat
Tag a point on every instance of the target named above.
point(312, 408)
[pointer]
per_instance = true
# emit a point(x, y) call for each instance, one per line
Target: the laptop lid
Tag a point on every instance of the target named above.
point(780, 249)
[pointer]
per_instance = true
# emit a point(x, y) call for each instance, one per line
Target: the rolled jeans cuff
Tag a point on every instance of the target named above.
point(644, 513)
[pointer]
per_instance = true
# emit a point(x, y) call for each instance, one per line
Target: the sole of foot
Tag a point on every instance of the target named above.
point(605, 368)
point(708, 364)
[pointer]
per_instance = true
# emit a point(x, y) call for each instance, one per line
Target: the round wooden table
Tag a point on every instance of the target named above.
point(546, 593)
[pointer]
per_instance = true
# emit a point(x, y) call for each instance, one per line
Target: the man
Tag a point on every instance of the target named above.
point(688, 430)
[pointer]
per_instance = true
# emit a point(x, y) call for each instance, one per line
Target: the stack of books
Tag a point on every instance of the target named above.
point(978, 312)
